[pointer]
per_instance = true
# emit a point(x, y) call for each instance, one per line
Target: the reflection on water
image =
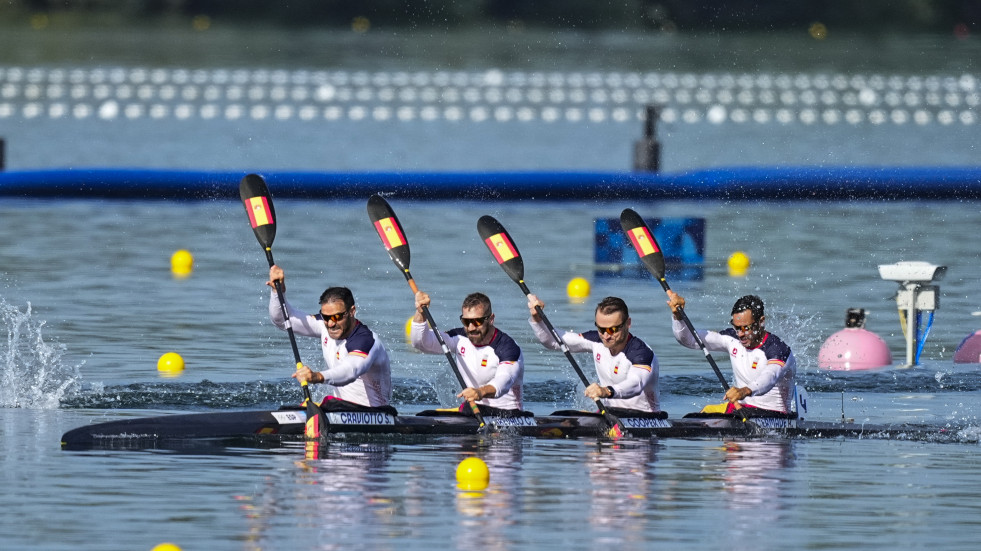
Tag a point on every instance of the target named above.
point(621, 477)
point(486, 516)
point(752, 475)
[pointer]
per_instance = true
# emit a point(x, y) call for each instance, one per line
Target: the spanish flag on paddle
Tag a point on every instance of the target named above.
point(644, 243)
point(389, 230)
point(259, 212)
point(501, 246)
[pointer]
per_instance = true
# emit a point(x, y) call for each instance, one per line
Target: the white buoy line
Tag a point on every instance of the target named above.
point(494, 95)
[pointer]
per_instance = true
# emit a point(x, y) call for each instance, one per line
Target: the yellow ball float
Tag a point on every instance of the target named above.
point(170, 364)
point(578, 288)
point(166, 547)
point(472, 474)
point(182, 263)
point(739, 264)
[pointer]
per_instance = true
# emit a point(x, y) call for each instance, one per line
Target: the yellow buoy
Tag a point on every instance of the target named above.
point(578, 288)
point(182, 263)
point(472, 474)
point(165, 547)
point(170, 364)
point(738, 264)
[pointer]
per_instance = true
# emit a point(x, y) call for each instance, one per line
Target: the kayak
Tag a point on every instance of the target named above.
point(286, 424)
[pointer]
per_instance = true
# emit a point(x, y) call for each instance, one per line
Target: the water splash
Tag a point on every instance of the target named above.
point(32, 372)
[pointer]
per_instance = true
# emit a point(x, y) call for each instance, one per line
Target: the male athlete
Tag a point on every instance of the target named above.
point(357, 363)
point(489, 360)
point(763, 366)
point(626, 367)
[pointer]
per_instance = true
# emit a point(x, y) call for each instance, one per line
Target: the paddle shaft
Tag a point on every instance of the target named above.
point(568, 354)
point(439, 337)
point(393, 237)
point(701, 344)
point(446, 351)
point(289, 326)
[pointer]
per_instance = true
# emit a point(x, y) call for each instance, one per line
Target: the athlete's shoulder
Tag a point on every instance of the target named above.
point(457, 332)
point(729, 332)
point(362, 338)
point(504, 346)
point(591, 336)
point(638, 352)
point(774, 347)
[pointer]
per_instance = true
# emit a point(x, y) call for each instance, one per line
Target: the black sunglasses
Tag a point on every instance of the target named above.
point(477, 322)
point(334, 317)
point(612, 330)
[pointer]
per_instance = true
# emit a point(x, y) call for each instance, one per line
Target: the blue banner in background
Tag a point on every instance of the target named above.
point(682, 241)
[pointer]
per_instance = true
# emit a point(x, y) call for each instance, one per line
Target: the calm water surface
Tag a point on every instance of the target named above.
point(104, 307)
point(89, 304)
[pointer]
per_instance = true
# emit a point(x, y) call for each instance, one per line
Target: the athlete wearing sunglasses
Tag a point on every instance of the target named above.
point(357, 362)
point(763, 366)
point(626, 368)
point(490, 362)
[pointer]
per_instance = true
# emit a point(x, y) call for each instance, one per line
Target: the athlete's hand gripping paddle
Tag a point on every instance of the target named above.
point(506, 253)
point(650, 254)
point(390, 230)
point(259, 206)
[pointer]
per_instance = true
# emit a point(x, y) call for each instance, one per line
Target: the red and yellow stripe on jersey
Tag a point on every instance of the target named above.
point(259, 212)
point(643, 241)
point(501, 246)
point(390, 233)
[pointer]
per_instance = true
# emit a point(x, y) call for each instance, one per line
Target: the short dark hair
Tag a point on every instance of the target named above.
point(752, 303)
point(342, 294)
point(474, 299)
point(610, 305)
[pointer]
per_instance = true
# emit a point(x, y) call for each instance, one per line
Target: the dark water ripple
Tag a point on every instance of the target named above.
point(418, 392)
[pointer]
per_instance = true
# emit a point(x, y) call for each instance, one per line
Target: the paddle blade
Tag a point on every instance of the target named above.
point(389, 230)
point(615, 432)
point(259, 206)
point(312, 428)
point(502, 247)
point(644, 243)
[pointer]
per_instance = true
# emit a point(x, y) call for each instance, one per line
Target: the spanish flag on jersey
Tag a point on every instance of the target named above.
point(259, 212)
point(389, 232)
point(643, 241)
point(501, 247)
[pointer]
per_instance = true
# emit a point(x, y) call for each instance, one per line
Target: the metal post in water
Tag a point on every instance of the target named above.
point(915, 295)
point(647, 150)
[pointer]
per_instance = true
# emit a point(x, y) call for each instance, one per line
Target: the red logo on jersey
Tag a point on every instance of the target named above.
point(463, 350)
point(735, 351)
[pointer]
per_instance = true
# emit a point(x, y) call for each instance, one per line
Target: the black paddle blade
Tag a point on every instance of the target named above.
point(502, 247)
point(259, 206)
point(390, 230)
point(644, 243)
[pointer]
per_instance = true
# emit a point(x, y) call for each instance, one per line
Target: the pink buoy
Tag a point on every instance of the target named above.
point(969, 351)
point(854, 349)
